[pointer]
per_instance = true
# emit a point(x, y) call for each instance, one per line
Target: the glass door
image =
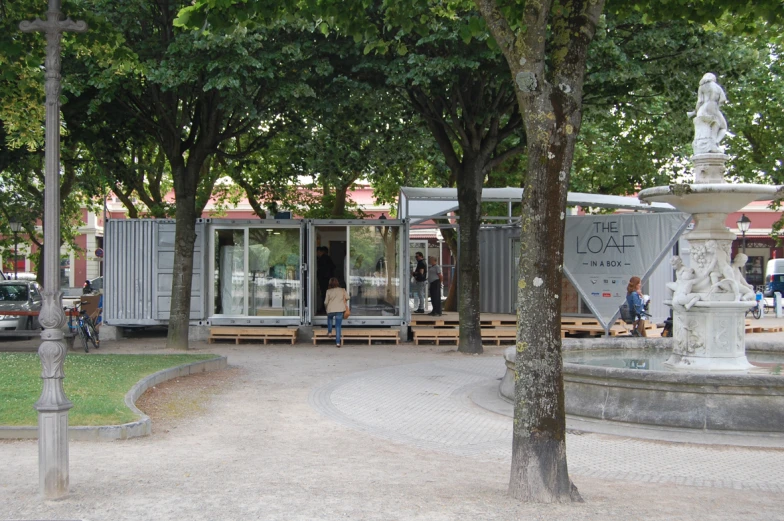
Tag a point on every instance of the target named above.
point(367, 259)
point(375, 281)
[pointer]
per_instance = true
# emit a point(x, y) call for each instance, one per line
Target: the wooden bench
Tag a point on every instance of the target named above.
point(264, 334)
point(365, 334)
point(452, 335)
point(434, 321)
point(592, 330)
point(499, 334)
point(430, 334)
point(495, 322)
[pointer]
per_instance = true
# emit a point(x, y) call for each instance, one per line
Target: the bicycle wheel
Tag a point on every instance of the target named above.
point(756, 312)
point(83, 336)
point(93, 333)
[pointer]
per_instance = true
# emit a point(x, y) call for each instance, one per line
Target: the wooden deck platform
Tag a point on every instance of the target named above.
point(752, 326)
point(490, 335)
point(363, 334)
point(253, 334)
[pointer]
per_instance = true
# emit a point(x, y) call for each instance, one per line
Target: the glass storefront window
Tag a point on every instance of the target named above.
point(270, 285)
point(374, 270)
point(273, 271)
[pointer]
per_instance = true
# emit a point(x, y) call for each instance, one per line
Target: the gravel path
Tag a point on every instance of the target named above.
point(261, 447)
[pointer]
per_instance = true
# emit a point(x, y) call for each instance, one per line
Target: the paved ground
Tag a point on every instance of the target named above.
point(374, 432)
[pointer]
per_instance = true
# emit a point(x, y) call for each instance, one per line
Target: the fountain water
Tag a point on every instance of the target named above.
point(711, 297)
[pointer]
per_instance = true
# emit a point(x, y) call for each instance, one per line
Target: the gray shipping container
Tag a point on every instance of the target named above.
point(498, 268)
point(139, 263)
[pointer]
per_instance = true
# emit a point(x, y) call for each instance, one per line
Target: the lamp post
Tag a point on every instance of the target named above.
point(53, 405)
point(743, 225)
point(15, 228)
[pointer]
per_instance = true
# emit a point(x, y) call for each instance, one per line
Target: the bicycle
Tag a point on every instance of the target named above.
point(755, 311)
point(84, 326)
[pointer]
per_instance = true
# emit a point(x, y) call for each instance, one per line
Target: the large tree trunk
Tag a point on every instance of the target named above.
point(469, 195)
point(539, 471)
point(184, 240)
point(550, 100)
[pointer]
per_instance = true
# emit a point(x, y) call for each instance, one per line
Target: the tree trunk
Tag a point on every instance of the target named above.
point(184, 240)
point(539, 471)
point(469, 195)
point(339, 204)
point(547, 61)
point(450, 304)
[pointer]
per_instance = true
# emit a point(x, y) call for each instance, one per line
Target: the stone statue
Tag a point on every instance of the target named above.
point(684, 294)
point(722, 276)
point(677, 266)
point(701, 285)
point(710, 127)
point(745, 289)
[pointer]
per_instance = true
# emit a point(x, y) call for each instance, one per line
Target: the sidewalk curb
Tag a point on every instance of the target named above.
point(134, 429)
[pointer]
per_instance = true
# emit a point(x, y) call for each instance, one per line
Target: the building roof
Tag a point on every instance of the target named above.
point(422, 203)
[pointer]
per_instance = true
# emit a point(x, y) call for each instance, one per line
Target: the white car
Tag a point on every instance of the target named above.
point(19, 300)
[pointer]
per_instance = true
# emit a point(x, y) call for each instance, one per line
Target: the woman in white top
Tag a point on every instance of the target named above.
point(336, 303)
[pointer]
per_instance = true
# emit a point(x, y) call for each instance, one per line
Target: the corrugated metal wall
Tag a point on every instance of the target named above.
point(496, 269)
point(128, 272)
point(163, 270)
point(139, 262)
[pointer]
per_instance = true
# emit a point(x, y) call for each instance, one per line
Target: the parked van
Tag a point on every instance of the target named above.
point(774, 277)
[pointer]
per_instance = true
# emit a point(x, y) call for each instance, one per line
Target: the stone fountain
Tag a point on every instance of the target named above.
point(711, 296)
point(707, 391)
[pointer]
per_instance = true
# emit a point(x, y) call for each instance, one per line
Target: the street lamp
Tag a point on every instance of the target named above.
point(743, 225)
point(15, 228)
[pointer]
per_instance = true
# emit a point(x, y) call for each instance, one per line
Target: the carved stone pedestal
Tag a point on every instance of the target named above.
point(711, 336)
point(709, 168)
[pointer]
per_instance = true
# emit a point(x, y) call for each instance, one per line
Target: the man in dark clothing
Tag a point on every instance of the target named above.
point(325, 270)
point(435, 279)
point(420, 282)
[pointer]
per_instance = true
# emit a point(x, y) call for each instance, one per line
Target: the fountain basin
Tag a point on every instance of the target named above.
point(702, 198)
point(692, 402)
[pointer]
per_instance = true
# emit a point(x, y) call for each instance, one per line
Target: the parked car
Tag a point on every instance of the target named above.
point(774, 277)
point(19, 295)
point(20, 275)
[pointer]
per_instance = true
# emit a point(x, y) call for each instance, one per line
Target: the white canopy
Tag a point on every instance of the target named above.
point(421, 204)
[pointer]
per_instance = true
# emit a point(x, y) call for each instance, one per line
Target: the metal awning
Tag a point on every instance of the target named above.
point(420, 204)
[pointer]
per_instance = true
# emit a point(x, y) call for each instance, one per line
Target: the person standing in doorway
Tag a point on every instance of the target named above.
point(420, 282)
point(336, 303)
point(325, 270)
point(435, 278)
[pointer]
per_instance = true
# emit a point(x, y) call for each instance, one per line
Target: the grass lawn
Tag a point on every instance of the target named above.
point(96, 384)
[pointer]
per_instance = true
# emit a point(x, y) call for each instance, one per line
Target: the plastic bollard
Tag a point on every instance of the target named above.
point(778, 304)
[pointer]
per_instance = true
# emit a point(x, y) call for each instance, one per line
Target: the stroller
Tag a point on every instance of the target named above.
point(629, 317)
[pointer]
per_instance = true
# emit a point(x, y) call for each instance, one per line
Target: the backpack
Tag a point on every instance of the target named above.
point(626, 314)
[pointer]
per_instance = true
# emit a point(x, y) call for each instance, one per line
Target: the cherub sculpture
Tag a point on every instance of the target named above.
point(684, 294)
